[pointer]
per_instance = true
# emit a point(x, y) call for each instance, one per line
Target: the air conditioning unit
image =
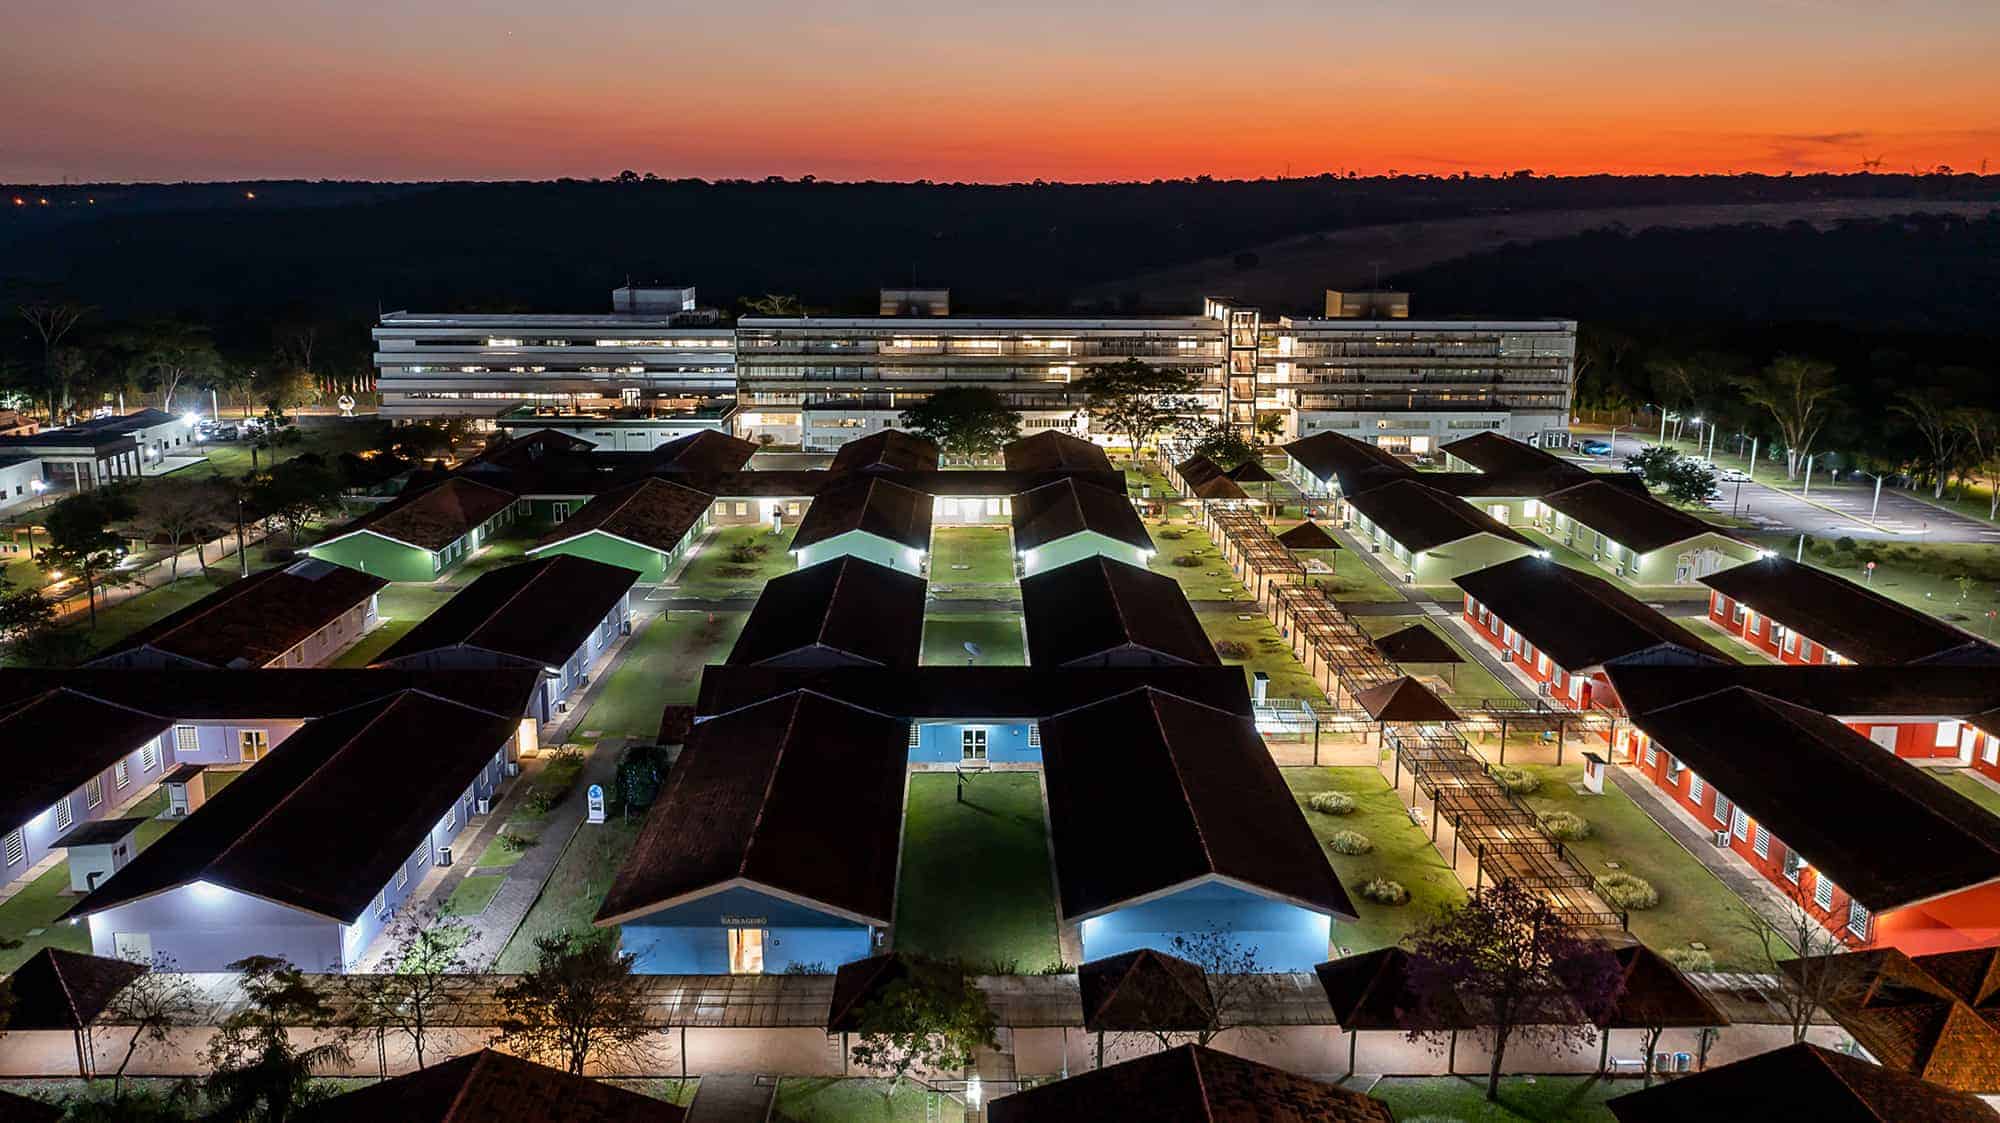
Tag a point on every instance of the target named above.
point(562, 705)
point(512, 769)
point(625, 626)
point(485, 807)
point(1721, 838)
point(1544, 689)
point(444, 856)
point(1506, 655)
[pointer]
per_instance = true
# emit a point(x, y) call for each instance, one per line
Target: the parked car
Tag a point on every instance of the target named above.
point(1596, 448)
point(1732, 475)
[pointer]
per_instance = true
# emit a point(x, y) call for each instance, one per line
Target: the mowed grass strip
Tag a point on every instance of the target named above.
point(975, 883)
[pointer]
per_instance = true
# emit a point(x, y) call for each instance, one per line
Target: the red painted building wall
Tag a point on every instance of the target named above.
point(1575, 692)
point(1765, 634)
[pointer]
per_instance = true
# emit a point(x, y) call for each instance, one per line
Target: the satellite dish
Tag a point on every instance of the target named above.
point(972, 648)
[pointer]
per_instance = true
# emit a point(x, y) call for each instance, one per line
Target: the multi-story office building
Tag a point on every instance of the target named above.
point(816, 382)
point(645, 373)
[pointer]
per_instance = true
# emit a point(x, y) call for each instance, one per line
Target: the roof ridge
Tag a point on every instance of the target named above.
point(465, 1085)
point(1180, 780)
point(544, 563)
point(770, 782)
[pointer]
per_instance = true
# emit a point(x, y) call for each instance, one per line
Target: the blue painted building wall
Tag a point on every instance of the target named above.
point(693, 938)
point(943, 743)
point(1287, 937)
point(38, 833)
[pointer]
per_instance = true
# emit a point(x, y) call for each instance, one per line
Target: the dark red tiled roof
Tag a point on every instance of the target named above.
point(252, 622)
point(704, 450)
point(1417, 644)
point(1801, 1084)
point(490, 1087)
point(1057, 510)
point(1054, 451)
point(876, 506)
point(1655, 993)
point(1372, 991)
point(1638, 522)
point(843, 608)
point(1859, 623)
point(1189, 1084)
point(1082, 612)
point(1579, 619)
point(58, 989)
point(1144, 991)
point(1403, 699)
point(1423, 518)
point(436, 516)
point(858, 983)
point(1499, 454)
point(1308, 536)
point(890, 449)
point(654, 513)
point(540, 610)
point(1906, 1017)
point(93, 735)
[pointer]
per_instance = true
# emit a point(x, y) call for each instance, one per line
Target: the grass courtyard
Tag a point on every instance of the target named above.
point(1962, 781)
point(661, 666)
point(1253, 644)
point(1544, 1099)
point(1185, 552)
point(1694, 906)
point(972, 561)
point(574, 891)
point(975, 883)
point(825, 1099)
point(1469, 683)
point(1402, 853)
point(997, 635)
point(729, 562)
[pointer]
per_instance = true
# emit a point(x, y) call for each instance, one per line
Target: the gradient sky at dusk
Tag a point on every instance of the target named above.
point(1076, 89)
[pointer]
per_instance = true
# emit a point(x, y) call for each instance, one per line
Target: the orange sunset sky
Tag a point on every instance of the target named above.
point(1077, 90)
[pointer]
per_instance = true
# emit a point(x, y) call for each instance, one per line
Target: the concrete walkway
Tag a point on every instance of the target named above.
point(1749, 886)
point(733, 1099)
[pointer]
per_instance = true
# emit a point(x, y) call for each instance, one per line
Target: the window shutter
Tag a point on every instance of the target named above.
point(1822, 891)
point(17, 848)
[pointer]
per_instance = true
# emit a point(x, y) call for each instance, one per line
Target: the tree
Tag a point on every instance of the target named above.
point(1816, 978)
point(1507, 963)
point(1220, 443)
point(1686, 481)
point(1655, 464)
point(234, 383)
point(24, 614)
point(257, 1072)
point(773, 304)
point(1799, 394)
point(1270, 426)
point(1240, 986)
point(934, 1018)
point(423, 980)
point(151, 1007)
point(282, 388)
point(179, 510)
point(51, 320)
point(297, 491)
point(1943, 427)
point(1137, 401)
point(82, 542)
point(1673, 380)
point(1982, 434)
point(969, 421)
point(174, 353)
point(580, 1004)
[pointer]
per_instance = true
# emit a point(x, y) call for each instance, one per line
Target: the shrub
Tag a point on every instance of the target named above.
point(1383, 891)
point(1689, 959)
point(1230, 649)
point(1186, 561)
point(517, 842)
point(1520, 781)
point(1349, 842)
point(813, 968)
point(1170, 535)
point(1845, 543)
point(1331, 803)
point(735, 571)
point(1627, 891)
point(1565, 826)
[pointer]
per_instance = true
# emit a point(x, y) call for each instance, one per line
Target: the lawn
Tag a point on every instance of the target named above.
point(47, 897)
point(1261, 648)
point(971, 561)
point(1210, 578)
point(473, 894)
point(1402, 853)
point(728, 564)
point(1922, 576)
point(1725, 640)
point(821, 1099)
point(1971, 787)
point(401, 607)
point(660, 665)
point(997, 635)
point(553, 782)
point(1544, 1099)
point(1469, 683)
point(1354, 580)
point(498, 855)
point(574, 891)
point(975, 883)
point(232, 458)
point(1693, 906)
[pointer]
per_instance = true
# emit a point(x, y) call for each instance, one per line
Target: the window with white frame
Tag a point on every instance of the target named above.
point(17, 848)
point(1696, 790)
point(1793, 864)
point(1652, 754)
point(972, 746)
point(1761, 841)
point(149, 757)
point(1791, 643)
point(1541, 663)
point(65, 814)
point(1739, 824)
point(121, 774)
point(1857, 919)
point(187, 738)
point(93, 792)
point(1723, 808)
point(1034, 734)
point(1947, 735)
point(451, 818)
point(916, 735)
point(402, 875)
point(1822, 891)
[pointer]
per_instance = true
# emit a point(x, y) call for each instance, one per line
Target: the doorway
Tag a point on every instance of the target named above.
point(254, 744)
point(746, 951)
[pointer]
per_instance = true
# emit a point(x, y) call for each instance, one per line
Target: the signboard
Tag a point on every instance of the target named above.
point(596, 796)
point(743, 921)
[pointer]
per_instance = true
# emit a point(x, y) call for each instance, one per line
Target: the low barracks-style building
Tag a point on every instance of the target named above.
point(659, 366)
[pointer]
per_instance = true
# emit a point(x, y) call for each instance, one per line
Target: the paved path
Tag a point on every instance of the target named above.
point(1749, 886)
point(733, 1099)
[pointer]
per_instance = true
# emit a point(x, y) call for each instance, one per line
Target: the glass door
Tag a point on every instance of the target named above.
point(254, 745)
point(972, 746)
point(746, 951)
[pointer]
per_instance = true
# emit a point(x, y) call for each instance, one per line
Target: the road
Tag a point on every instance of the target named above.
point(1832, 511)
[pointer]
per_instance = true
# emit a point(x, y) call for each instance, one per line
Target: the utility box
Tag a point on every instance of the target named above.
point(187, 790)
point(98, 849)
point(1593, 773)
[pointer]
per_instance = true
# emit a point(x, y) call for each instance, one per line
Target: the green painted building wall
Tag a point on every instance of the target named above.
point(1088, 544)
point(653, 566)
point(383, 557)
point(867, 547)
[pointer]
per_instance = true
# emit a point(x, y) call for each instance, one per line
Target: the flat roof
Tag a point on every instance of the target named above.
point(800, 795)
point(1859, 623)
point(1578, 619)
point(251, 622)
point(540, 610)
point(1057, 510)
point(346, 779)
point(1097, 607)
point(844, 607)
point(1212, 801)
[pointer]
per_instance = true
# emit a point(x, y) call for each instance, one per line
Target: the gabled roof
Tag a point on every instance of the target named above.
point(1202, 782)
point(1942, 690)
point(1372, 991)
point(877, 506)
point(1579, 619)
point(490, 1087)
point(1859, 623)
point(1656, 993)
point(842, 607)
point(1424, 518)
point(324, 821)
point(1307, 536)
point(1145, 991)
point(540, 610)
point(1090, 608)
point(1497, 454)
point(654, 513)
point(1055, 511)
point(1356, 465)
point(94, 735)
point(58, 989)
point(1403, 699)
point(1188, 1083)
point(1800, 1084)
point(704, 450)
point(938, 692)
point(251, 622)
point(1906, 1019)
point(1417, 644)
point(1882, 830)
point(1972, 975)
point(1250, 472)
point(25, 1109)
point(800, 795)
point(858, 983)
point(1052, 450)
point(1198, 469)
point(1205, 479)
point(196, 694)
point(1638, 522)
point(890, 449)
point(433, 517)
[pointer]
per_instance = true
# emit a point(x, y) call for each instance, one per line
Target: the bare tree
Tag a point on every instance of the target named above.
point(1941, 425)
point(51, 320)
point(178, 353)
point(1798, 393)
point(579, 1005)
point(423, 980)
point(151, 1007)
point(1982, 435)
point(1798, 948)
point(181, 511)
